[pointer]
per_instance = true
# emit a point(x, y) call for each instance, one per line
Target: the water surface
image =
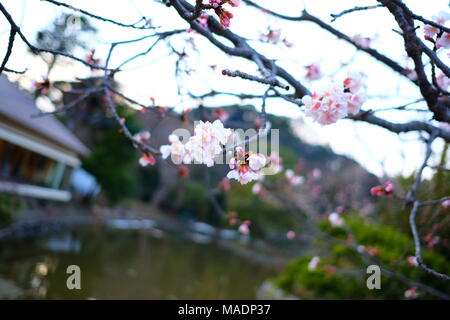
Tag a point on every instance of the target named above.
point(118, 264)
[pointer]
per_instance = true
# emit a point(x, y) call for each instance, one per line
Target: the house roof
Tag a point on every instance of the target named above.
point(18, 106)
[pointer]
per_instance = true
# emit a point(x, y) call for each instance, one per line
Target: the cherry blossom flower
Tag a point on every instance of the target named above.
point(272, 36)
point(42, 87)
point(292, 179)
point(206, 143)
point(291, 235)
point(287, 43)
point(257, 188)
point(147, 159)
point(411, 74)
point(446, 204)
point(335, 220)
point(412, 261)
point(233, 3)
point(431, 240)
point(246, 168)
point(431, 31)
point(176, 149)
point(363, 42)
point(443, 41)
point(314, 263)
point(90, 58)
point(386, 190)
point(353, 83)
point(220, 114)
point(256, 161)
point(443, 81)
point(316, 173)
point(354, 102)
point(411, 293)
point(225, 17)
point(327, 106)
point(313, 72)
point(275, 163)
point(203, 20)
point(142, 136)
point(244, 227)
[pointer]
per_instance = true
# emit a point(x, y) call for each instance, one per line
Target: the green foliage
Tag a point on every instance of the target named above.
point(250, 207)
point(349, 279)
point(10, 207)
point(113, 162)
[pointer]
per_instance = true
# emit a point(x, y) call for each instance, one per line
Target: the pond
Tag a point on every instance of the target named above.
point(123, 264)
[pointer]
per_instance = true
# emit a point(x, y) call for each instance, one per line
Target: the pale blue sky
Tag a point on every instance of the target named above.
point(152, 76)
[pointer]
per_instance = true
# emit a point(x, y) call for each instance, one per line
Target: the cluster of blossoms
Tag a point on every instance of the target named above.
point(336, 102)
point(293, 179)
point(443, 38)
point(386, 190)
point(225, 16)
point(206, 144)
point(246, 167)
point(146, 159)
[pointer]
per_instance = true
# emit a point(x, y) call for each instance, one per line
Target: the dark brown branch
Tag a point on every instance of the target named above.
point(338, 15)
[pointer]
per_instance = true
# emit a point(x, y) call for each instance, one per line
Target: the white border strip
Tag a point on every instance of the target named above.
point(35, 191)
point(25, 141)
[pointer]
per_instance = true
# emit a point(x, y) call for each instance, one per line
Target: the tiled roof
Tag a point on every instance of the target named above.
point(19, 107)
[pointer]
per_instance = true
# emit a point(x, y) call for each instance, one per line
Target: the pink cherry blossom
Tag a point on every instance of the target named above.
point(443, 41)
point(363, 42)
point(257, 188)
point(313, 72)
point(411, 293)
point(244, 229)
point(246, 168)
point(327, 106)
point(176, 149)
point(431, 31)
point(142, 136)
point(314, 263)
point(293, 179)
point(446, 204)
point(203, 20)
point(443, 81)
point(335, 220)
point(353, 82)
point(412, 261)
point(147, 159)
point(386, 190)
point(291, 235)
point(275, 163)
point(256, 161)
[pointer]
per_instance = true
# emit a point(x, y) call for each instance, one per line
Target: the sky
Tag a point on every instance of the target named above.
point(378, 150)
